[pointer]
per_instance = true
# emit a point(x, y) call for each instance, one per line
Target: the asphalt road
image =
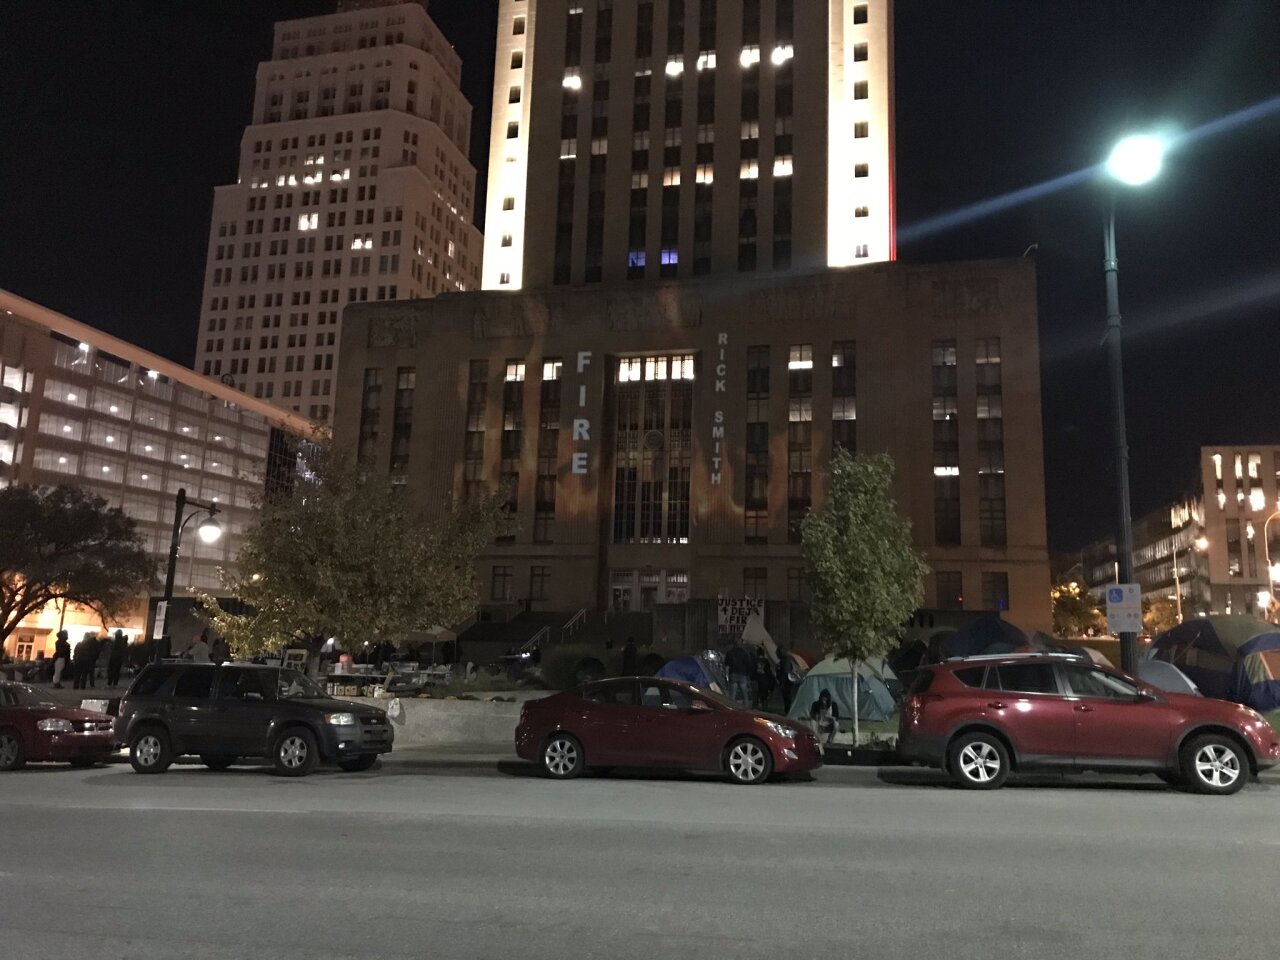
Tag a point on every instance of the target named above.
point(473, 858)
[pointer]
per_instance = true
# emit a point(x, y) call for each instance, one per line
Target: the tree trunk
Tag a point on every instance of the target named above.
point(856, 711)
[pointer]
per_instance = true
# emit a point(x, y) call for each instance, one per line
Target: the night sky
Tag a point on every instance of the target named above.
point(118, 120)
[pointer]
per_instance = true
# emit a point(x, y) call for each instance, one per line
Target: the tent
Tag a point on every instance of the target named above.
point(1209, 649)
point(986, 635)
point(691, 670)
point(874, 699)
point(1256, 678)
point(1165, 676)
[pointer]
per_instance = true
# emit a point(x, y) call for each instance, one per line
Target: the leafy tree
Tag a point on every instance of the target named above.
point(1159, 616)
point(1075, 612)
point(65, 544)
point(345, 554)
point(866, 578)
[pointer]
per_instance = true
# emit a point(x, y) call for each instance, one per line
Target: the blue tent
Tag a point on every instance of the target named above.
point(1209, 650)
point(1255, 681)
point(691, 670)
point(985, 635)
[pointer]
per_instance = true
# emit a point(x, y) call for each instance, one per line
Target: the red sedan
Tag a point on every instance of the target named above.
point(643, 722)
point(34, 728)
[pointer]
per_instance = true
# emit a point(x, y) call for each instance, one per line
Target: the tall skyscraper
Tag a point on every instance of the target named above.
point(353, 185)
point(678, 138)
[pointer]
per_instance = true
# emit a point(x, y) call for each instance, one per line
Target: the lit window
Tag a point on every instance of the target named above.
point(572, 81)
point(515, 371)
point(636, 258)
point(671, 177)
point(568, 149)
point(750, 170)
point(705, 173)
point(551, 369)
point(782, 167)
point(707, 60)
point(801, 357)
point(629, 370)
point(749, 57)
point(640, 181)
point(781, 54)
point(308, 221)
point(675, 67)
point(946, 471)
point(670, 257)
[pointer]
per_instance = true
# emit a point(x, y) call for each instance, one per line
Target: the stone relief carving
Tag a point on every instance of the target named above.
point(394, 328)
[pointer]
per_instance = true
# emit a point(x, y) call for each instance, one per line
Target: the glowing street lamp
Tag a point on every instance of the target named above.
point(209, 530)
point(1134, 161)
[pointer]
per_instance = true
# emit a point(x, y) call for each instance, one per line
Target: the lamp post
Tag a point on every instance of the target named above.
point(1200, 545)
point(1134, 161)
point(209, 531)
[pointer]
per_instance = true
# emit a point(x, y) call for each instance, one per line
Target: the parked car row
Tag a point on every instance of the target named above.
point(978, 718)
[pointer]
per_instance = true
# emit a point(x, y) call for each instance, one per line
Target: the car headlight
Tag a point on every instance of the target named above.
point(341, 719)
point(778, 728)
point(54, 725)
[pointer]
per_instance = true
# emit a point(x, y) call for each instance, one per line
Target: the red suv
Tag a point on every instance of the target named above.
point(981, 717)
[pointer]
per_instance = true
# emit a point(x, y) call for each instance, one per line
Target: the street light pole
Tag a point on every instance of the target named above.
point(1124, 539)
point(210, 531)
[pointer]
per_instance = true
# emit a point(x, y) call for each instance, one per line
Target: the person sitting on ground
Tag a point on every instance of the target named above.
point(824, 717)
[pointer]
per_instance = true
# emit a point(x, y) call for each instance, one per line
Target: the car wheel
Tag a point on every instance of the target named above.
point(358, 764)
point(149, 752)
point(979, 761)
point(1214, 764)
point(12, 753)
point(562, 757)
point(217, 762)
point(296, 753)
point(747, 760)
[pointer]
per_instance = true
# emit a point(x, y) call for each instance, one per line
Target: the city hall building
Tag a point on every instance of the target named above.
point(662, 442)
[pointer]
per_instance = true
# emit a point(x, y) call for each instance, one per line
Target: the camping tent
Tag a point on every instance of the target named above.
point(986, 635)
point(874, 700)
point(1165, 676)
point(1256, 678)
point(1209, 649)
point(691, 670)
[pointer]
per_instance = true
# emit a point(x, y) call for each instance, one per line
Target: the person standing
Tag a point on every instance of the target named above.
point(737, 663)
point(219, 652)
point(115, 659)
point(764, 678)
point(83, 659)
point(61, 658)
point(198, 652)
point(629, 657)
point(788, 677)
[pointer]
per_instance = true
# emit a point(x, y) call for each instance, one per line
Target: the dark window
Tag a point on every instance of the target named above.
point(622, 694)
point(1027, 678)
point(150, 680)
point(243, 683)
point(950, 586)
point(971, 676)
point(755, 582)
point(500, 585)
point(860, 13)
point(920, 682)
point(195, 683)
point(995, 591)
point(1098, 683)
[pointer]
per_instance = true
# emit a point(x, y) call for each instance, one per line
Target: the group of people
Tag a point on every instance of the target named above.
point(753, 676)
point(81, 664)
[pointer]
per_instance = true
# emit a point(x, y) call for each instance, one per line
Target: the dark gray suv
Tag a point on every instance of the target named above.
point(223, 713)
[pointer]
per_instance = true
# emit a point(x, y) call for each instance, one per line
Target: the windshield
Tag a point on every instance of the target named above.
point(297, 686)
point(20, 695)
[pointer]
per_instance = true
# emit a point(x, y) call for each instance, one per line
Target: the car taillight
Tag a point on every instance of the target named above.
point(916, 703)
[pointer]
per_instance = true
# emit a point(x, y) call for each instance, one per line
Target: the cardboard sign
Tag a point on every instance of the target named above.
point(732, 614)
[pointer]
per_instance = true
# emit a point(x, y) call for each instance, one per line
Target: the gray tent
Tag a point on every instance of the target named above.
point(874, 700)
point(1165, 676)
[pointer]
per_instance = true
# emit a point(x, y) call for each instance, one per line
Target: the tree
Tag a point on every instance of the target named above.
point(345, 554)
point(65, 544)
point(866, 578)
point(1075, 612)
point(1159, 616)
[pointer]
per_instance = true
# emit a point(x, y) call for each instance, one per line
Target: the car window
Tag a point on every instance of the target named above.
point(150, 680)
point(920, 682)
point(243, 683)
point(6, 698)
point(660, 696)
point(1027, 678)
point(618, 694)
point(195, 683)
point(1098, 683)
point(971, 676)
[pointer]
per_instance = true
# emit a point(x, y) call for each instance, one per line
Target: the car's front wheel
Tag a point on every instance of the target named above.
point(978, 761)
point(12, 753)
point(149, 751)
point(1214, 764)
point(217, 761)
point(296, 753)
point(358, 764)
point(748, 761)
point(562, 757)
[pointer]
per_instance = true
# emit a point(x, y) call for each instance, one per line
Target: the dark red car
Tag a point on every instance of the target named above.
point(982, 717)
point(32, 727)
point(666, 724)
